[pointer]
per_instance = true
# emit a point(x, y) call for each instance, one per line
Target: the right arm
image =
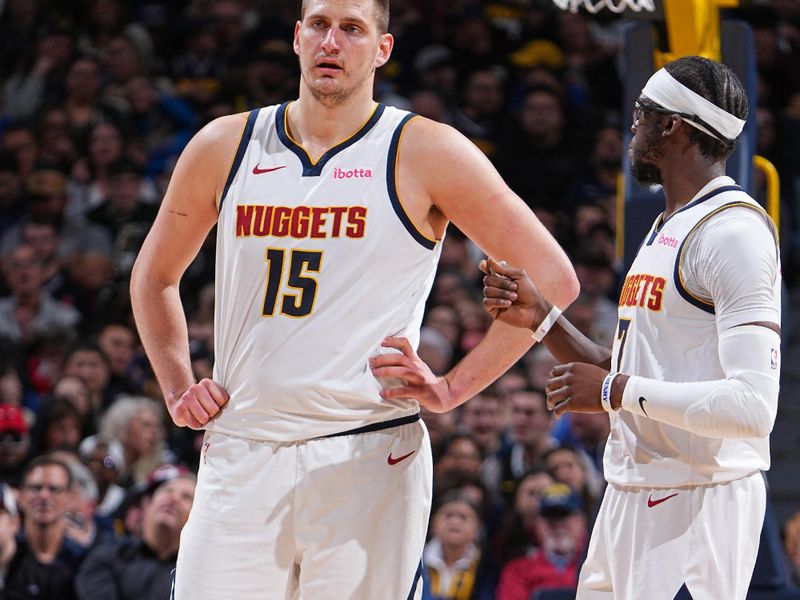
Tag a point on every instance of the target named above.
point(187, 214)
point(511, 297)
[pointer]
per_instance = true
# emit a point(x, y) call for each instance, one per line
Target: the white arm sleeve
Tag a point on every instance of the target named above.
point(743, 405)
point(732, 262)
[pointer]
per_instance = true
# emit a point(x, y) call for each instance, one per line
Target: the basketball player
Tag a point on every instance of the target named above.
point(331, 211)
point(691, 384)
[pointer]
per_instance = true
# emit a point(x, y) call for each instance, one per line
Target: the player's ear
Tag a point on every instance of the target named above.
point(384, 49)
point(672, 125)
point(296, 40)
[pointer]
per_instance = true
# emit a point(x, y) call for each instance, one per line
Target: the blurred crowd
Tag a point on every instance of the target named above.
point(97, 100)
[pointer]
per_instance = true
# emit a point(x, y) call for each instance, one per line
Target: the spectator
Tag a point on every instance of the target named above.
point(87, 361)
point(455, 566)
point(73, 389)
point(20, 140)
point(567, 465)
point(457, 456)
point(14, 443)
point(30, 310)
point(104, 457)
point(140, 567)
point(138, 423)
point(46, 559)
point(58, 427)
point(530, 435)
point(118, 342)
point(517, 535)
point(561, 527)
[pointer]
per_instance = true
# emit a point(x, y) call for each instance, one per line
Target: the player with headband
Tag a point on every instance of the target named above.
point(691, 384)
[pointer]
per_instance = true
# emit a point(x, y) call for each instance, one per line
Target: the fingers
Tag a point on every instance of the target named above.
point(398, 343)
point(503, 268)
point(404, 373)
point(200, 403)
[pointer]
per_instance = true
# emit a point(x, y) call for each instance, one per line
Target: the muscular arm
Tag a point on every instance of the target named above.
point(186, 216)
point(446, 178)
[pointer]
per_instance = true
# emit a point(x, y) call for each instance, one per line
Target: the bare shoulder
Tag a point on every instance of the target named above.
point(220, 136)
point(447, 165)
point(426, 139)
point(208, 156)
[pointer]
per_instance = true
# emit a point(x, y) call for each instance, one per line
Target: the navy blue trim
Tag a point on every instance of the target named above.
point(377, 426)
point(417, 577)
point(172, 586)
point(676, 277)
point(237, 160)
point(708, 196)
point(391, 186)
point(310, 168)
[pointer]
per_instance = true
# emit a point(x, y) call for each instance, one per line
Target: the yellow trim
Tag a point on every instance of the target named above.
point(773, 189)
point(233, 159)
point(396, 180)
point(296, 143)
point(693, 229)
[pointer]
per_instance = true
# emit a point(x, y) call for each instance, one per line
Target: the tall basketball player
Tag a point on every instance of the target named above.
point(691, 385)
point(331, 211)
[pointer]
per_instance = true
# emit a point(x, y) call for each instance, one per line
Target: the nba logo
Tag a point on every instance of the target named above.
point(773, 358)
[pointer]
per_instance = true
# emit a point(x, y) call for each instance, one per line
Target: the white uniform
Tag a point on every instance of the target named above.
point(313, 484)
point(679, 502)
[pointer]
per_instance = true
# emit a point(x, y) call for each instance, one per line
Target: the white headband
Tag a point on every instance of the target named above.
point(668, 92)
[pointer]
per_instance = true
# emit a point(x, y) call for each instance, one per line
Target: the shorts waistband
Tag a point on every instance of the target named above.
point(376, 426)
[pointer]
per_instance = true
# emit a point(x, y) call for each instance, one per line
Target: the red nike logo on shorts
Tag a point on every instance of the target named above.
point(257, 171)
point(651, 503)
point(393, 461)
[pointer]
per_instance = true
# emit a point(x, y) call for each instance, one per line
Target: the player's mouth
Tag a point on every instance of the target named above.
point(328, 67)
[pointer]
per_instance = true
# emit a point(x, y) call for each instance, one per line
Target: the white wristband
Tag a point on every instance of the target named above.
point(544, 326)
point(605, 392)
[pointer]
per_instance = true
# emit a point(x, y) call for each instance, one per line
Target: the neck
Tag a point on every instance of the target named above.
point(451, 553)
point(318, 126)
point(683, 179)
point(28, 299)
point(164, 542)
point(45, 540)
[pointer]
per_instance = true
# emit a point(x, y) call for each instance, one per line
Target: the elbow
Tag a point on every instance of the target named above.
point(568, 290)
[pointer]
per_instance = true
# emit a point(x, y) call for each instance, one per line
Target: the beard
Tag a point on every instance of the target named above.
point(646, 173)
point(332, 92)
point(643, 168)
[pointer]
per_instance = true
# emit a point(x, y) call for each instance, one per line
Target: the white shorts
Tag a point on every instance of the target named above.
point(647, 543)
point(333, 518)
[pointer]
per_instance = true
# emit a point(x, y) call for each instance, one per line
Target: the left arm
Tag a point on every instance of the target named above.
point(739, 270)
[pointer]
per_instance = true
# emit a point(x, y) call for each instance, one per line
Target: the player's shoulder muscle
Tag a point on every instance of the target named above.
point(209, 154)
point(449, 164)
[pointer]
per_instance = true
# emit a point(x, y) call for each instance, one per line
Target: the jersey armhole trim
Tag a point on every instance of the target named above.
point(678, 278)
point(391, 186)
point(244, 140)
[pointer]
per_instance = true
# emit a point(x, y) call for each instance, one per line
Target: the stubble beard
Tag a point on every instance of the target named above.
point(332, 96)
point(644, 171)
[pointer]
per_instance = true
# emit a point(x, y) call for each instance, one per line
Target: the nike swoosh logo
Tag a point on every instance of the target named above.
point(393, 461)
point(651, 503)
point(642, 400)
point(257, 171)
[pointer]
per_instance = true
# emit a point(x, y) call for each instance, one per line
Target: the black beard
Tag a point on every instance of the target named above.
point(646, 173)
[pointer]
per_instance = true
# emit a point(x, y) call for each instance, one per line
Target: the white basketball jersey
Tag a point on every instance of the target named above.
point(317, 262)
point(666, 333)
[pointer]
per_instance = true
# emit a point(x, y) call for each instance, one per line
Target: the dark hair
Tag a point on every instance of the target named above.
point(86, 346)
point(381, 8)
point(46, 460)
point(718, 84)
